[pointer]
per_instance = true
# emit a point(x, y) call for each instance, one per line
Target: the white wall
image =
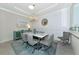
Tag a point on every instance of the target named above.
point(8, 23)
point(76, 15)
point(65, 19)
point(58, 21)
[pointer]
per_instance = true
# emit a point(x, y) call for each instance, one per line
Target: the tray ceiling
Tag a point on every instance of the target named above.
point(40, 8)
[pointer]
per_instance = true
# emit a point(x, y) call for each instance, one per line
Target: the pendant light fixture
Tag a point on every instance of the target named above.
point(31, 7)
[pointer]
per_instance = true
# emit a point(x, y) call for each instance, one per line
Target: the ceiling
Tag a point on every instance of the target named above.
point(40, 8)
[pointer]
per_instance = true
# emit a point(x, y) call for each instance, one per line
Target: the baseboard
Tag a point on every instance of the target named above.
point(3, 41)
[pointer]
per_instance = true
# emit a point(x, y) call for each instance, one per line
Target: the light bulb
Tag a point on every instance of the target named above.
point(28, 26)
point(31, 7)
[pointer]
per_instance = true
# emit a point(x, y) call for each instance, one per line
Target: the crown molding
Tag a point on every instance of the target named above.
point(9, 11)
point(43, 10)
point(21, 10)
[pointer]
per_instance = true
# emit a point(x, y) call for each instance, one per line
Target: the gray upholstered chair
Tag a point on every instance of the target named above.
point(31, 42)
point(24, 39)
point(30, 39)
point(65, 38)
point(47, 43)
point(48, 40)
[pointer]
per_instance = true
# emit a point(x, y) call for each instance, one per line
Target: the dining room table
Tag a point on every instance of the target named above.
point(36, 37)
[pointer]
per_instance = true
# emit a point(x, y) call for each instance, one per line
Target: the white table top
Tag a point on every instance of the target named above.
point(41, 35)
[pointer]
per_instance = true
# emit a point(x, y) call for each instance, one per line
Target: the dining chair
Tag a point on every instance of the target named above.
point(24, 39)
point(31, 42)
point(65, 38)
point(47, 43)
point(30, 39)
point(47, 40)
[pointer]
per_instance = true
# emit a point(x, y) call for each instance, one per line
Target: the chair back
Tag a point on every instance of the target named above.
point(30, 40)
point(16, 35)
point(66, 35)
point(51, 38)
point(24, 37)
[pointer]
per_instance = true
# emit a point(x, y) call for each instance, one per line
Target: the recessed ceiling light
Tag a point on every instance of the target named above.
point(31, 7)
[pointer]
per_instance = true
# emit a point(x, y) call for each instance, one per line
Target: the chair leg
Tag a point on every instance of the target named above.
point(65, 43)
point(33, 51)
point(26, 44)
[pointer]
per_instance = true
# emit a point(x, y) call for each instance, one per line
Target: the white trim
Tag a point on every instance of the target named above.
point(52, 6)
point(7, 10)
point(21, 10)
point(3, 41)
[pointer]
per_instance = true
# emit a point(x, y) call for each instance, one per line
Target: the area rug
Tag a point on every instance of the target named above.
point(21, 48)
